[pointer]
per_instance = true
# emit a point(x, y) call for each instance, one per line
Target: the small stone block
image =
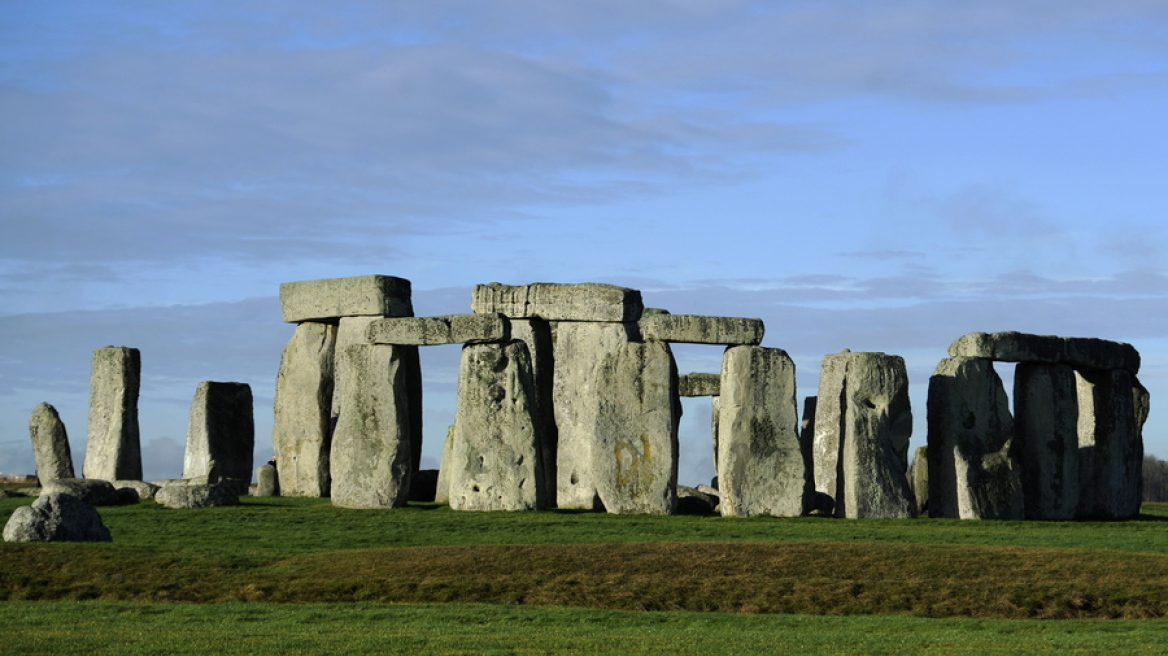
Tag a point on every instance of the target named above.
point(699, 384)
point(1083, 353)
point(556, 302)
point(331, 298)
point(449, 329)
point(696, 329)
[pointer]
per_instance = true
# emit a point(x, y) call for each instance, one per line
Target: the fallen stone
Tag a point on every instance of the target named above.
point(113, 450)
point(1083, 353)
point(699, 384)
point(221, 429)
point(141, 489)
point(93, 491)
point(267, 481)
point(1046, 415)
point(302, 426)
point(56, 517)
point(496, 463)
point(1113, 406)
point(691, 501)
point(761, 469)
point(371, 451)
point(187, 494)
point(974, 472)
point(877, 421)
point(696, 329)
point(331, 298)
point(557, 302)
point(449, 329)
point(50, 443)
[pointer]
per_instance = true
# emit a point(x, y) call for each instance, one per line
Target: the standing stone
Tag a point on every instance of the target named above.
point(50, 444)
point(1046, 415)
point(1112, 408)
point(302, 427)
point(442, 488)
point(807, 430)
point(829, 423)
point(634, 456)
point(371, 458)
point(496, 459)
point(973, 466)
point(579, 349)
point(221, 429)
point(761, 468)
point(537, 334)
point(113, 450)
point(919, 477)
point(267, 481)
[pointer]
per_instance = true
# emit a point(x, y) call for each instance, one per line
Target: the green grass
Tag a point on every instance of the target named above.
point(418, 578)
point(125, 629)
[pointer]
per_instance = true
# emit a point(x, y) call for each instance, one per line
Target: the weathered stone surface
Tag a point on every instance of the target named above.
point(699, 384)
point(267, 481)
point(919, 477)
point(537, 334)
point(973, 464)
point(56, 517)
point(761, 469)
point(442, 488)
point(1112, 409)
point(807, 431)
point(332, 298)
point(556, 302)
point(1046, 415)
point(141, 489)
point(579, 349)
point(634, 458)
point(496, 458)
point(354, 330)
point(113, 450)
point(221, 429)
point(187, 494)
point(829, 423)
point(1085, 353)
point(874, 451)
point(90, 490)
point(371, 454)
point(50, 443)
point(302, 427)
point(449, 329)
point(692, 501)
point(696, 329)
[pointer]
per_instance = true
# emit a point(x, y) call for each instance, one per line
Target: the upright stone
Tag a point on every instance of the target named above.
point(221, 429)
point(1112, 409)
point(496, 462)
point(579, 349)
point(919, 477)
point(537, 334)
point(50, 444)
point(807, 431)
point(1046, 415)
point(302, 427)
point(267, 481)
point(359, 296)
point(113, 450)
point(973, 464)
point(761, 468)
point(556, 302)
point(829, 423)
point(442, 487)
point(634, 455)
point(874, 452)
point(371, 454)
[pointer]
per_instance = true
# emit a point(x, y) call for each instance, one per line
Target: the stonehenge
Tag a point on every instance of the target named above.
point(569, 397)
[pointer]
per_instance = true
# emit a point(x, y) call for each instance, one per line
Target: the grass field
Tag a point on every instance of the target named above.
point(301, 576)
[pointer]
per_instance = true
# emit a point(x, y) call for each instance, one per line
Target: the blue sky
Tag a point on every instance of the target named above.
point(880, 176)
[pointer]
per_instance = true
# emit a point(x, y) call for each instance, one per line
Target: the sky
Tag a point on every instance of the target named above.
point(877, 176)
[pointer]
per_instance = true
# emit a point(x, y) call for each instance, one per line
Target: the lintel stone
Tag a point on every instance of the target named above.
point(587, 301)
point(449, 329)
point(697, 329)
point(699, 384)
point(1084, 353)
point(332, 298)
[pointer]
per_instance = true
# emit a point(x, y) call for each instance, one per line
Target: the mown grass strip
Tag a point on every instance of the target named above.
point(127, 629)
point(740, 577)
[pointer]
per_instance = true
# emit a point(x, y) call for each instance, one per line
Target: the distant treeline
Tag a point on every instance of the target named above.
point(1155, 479)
